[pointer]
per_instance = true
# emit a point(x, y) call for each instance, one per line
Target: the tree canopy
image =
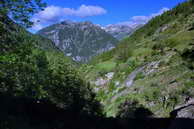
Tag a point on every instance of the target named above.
point(21, 10)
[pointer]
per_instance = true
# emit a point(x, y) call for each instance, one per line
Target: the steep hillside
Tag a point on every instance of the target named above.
point(79, 40)
point(8, 26)
point(154, 66)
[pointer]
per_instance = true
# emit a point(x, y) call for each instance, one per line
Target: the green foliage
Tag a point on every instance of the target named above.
point(159, 46)
point(140, 76)
point(132, 109)
point(102, 57)
point(182, 10)
point(187, 89)
point(21, 10)
point(105, 67)
point(132, 62)
point(28, 71)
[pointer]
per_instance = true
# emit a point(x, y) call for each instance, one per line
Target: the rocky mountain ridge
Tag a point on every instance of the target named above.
point(79, 40)
point(121, 31)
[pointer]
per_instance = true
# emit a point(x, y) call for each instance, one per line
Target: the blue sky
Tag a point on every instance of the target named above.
point(101, 12)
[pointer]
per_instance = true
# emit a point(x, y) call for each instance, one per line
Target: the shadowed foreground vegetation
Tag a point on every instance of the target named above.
point(25, 113)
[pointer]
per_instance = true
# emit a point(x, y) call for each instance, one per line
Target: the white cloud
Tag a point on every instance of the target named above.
point(85, 11)
point(53, 14)
point(160, 12)
point(140, 19)
point(137, 20)
point(37, 27)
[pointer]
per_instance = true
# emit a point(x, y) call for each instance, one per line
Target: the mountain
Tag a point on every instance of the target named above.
point(79, 40)
point(120, 31)
point(153, 67)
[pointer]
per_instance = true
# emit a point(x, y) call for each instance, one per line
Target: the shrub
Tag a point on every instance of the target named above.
point(132, 109)
point(139, 76)
point(159, 46)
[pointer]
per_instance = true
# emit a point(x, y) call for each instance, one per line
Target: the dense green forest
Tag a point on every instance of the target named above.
point(27, 70)
point(31, 67)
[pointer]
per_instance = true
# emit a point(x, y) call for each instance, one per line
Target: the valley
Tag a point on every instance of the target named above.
point(74, 75)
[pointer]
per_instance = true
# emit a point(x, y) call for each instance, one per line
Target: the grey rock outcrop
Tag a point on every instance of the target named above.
point(79, 40)
point(184, 111)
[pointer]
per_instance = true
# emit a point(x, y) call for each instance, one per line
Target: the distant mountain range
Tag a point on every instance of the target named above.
point(121, 31)
point(79, 40)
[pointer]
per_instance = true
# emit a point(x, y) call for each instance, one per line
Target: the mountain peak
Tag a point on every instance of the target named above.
point(79, 40)
point(120, 31)
point(67, 22)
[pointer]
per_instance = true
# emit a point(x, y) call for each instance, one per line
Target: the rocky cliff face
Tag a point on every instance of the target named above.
point(79, 40)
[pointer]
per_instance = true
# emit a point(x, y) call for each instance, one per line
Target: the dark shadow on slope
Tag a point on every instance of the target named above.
point(20, 112)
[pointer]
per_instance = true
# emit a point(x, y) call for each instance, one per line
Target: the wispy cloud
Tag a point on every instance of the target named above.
point(53, 14)
point(85, 11)
point(137, 20)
